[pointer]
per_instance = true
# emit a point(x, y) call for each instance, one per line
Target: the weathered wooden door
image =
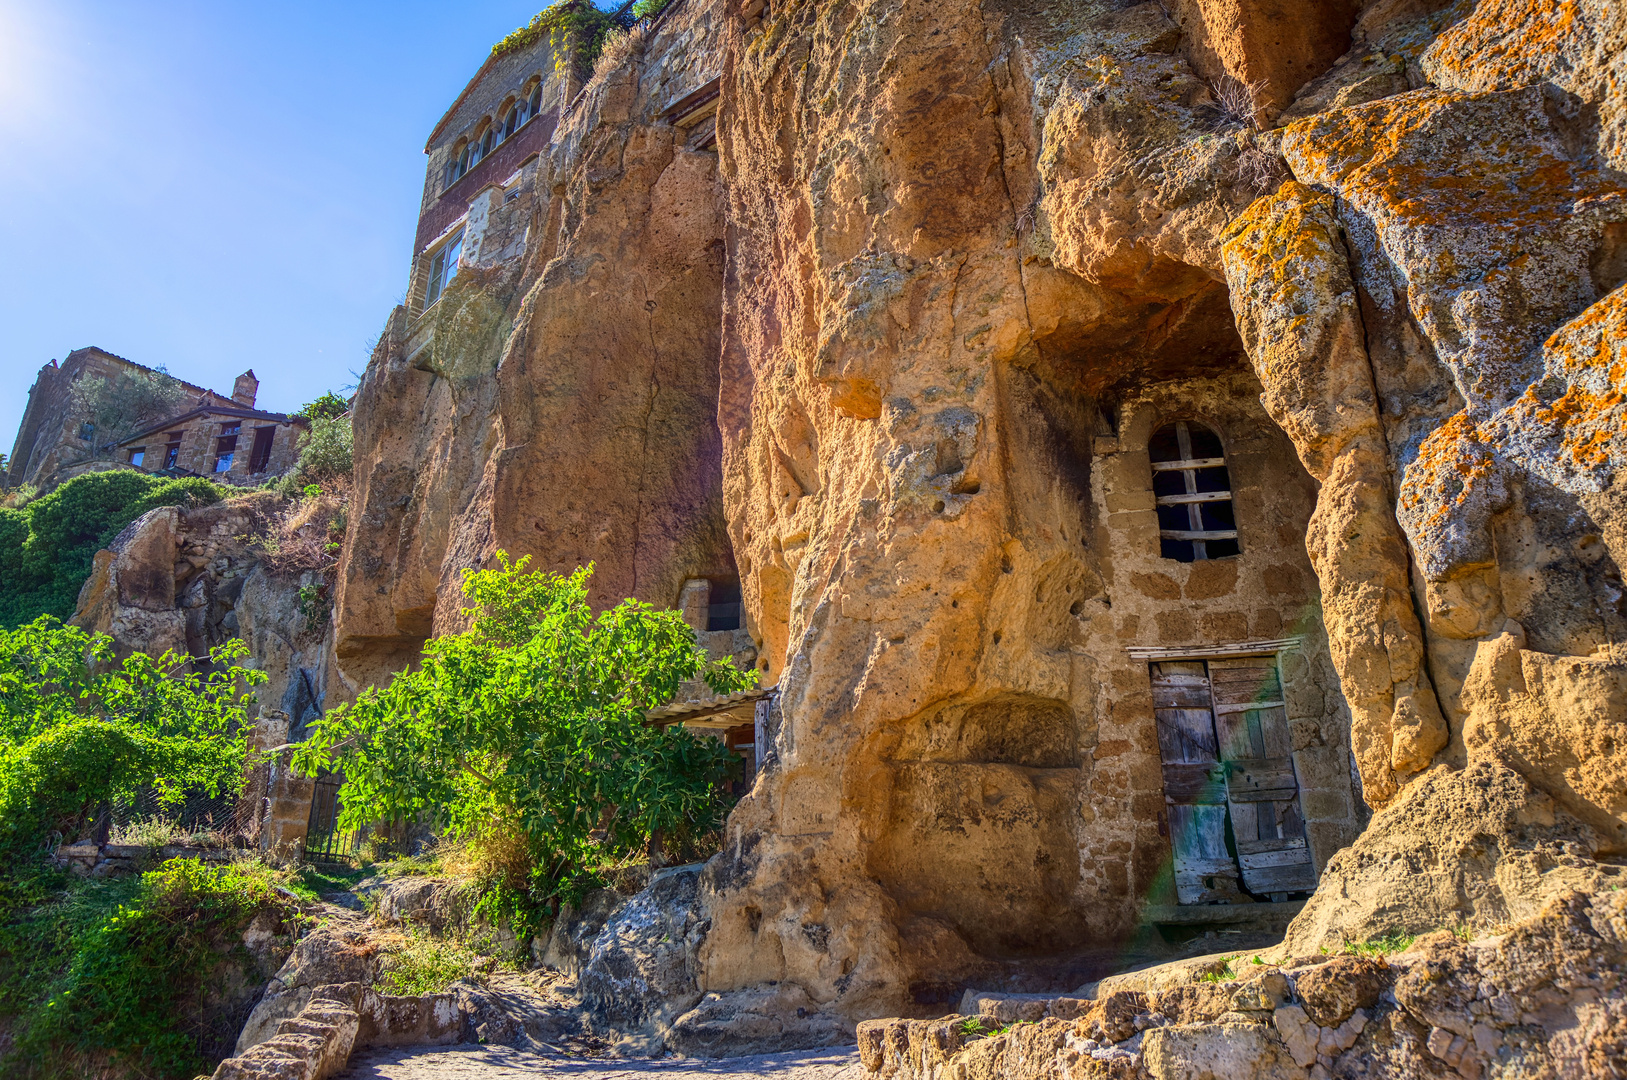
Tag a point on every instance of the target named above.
point(1223, 737)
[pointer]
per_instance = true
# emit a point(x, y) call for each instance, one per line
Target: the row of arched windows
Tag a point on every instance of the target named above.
point(515, 114)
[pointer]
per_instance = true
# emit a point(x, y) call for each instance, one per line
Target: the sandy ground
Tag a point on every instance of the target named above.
point(475, 1062)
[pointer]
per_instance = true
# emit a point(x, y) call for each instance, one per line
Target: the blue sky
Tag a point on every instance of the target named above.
point(218, 186)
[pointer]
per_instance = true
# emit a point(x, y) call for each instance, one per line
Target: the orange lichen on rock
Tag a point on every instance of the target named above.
point(1296, 308)
point(1571, 425)
point(1447, 493)
point(1480, 204)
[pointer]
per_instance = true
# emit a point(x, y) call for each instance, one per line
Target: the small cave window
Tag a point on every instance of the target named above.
point(723, 607)
point(1193, 492)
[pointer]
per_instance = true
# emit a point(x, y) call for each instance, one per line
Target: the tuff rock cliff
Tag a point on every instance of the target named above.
point(894, 351)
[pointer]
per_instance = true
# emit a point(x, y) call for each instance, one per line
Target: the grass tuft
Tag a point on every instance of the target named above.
point(419, 963)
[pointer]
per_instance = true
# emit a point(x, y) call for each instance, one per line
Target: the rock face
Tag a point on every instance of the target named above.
point(947, 394)
point(559, 400)
point(190, 579)
point(904, 349)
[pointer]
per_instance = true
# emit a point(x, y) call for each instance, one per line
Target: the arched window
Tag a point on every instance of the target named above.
point(1193, 492)
point(458, 165)
point(534, 106)
point(488, 140)
point(513, 119)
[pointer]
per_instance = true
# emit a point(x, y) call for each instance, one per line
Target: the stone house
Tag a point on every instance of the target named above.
point(483, 156)
point(236, 444)
point(210, 434)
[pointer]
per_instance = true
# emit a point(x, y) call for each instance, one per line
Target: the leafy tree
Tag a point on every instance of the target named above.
point(124, 404)
point(79, 730)
point(47, 547)
point(533, 721)
point(116, 977)
point(326, 407)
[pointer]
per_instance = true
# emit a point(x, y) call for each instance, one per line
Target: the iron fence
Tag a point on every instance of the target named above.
point(221, 820)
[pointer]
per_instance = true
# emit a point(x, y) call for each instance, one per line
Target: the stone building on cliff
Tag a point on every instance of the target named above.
point(1128, 493)
point(207, 434)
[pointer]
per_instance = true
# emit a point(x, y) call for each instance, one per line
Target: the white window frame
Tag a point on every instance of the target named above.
point(441, 269)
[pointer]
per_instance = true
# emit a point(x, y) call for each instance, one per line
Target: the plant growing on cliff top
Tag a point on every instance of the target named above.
point(325, 407)
point(47, 547)
point(576, 31)
point(532, 723)
point(79, 729)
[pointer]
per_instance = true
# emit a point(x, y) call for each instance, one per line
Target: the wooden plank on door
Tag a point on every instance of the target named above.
point(1262, 790)
point(1186, 735)
point(1275, 843)
point(1181, 704)
point(1195, 782)
point(1204, 869)
point(1300, 877)
point(1261, 780)
point(1261, 860)
point(1185, 695)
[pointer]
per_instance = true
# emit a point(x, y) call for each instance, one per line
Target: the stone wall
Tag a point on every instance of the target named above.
point(199, 443)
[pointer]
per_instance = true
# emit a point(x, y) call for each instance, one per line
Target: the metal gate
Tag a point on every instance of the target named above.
point(324, 840)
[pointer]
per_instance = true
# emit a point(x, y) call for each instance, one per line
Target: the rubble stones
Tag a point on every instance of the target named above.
point(1545, 998)
point(1332, 991)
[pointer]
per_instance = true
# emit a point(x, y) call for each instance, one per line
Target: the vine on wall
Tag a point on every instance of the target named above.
point(576, 32)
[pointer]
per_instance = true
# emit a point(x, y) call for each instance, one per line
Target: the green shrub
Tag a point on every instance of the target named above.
point(1393, 942)
point(122, 976)
point(79, 730)
point(325, 454)
point(576, 32)
point(326, 407)
point(526, 735)
point(47, 547)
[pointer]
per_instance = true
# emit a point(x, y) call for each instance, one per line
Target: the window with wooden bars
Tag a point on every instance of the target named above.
point(1193, 492)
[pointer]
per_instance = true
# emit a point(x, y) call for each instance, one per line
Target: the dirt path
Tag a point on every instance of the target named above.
point(476, 1062)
